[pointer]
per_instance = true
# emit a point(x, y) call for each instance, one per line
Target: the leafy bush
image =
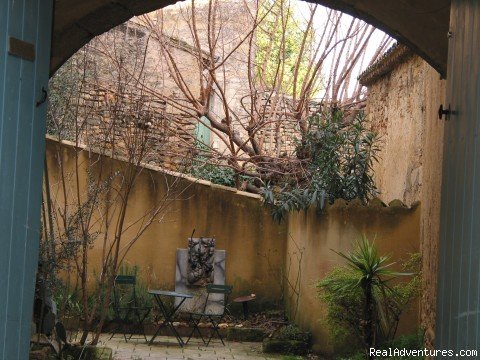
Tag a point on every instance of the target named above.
point(216, 173)
point(344, 300)
point(361, 301)
point(68, 303)
point(293, 332)
point(338, 159)
point(288, 340)
point(203, 166)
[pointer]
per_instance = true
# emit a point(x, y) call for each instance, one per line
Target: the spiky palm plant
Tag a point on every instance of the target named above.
point(373, 273)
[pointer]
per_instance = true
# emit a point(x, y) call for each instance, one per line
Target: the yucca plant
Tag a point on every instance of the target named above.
point(372, 273)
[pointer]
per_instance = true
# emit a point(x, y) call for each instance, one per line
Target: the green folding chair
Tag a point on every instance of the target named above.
point(127, 309)
point(214, 318)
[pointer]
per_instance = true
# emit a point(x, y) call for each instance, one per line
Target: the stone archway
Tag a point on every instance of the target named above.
point(422, 24)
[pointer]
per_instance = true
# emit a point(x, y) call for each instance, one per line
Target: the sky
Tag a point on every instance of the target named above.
point(302, 9)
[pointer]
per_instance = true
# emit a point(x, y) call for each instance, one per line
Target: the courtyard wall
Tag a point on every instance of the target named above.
point(394, 229)
point(260, 252)
point(255, 245)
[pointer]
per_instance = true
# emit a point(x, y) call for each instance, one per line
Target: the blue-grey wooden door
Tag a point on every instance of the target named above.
point(25, 28)
point(458, 310)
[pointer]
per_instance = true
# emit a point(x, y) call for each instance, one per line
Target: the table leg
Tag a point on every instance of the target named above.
point(168, 320)
point(245, 310)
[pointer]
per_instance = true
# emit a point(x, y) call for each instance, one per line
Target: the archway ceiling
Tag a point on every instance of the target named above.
point(420, 24)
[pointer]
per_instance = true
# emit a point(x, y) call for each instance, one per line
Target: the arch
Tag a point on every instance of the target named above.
point(420, 24)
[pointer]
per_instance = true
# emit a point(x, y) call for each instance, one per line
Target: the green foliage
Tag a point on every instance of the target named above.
point(68, 303)
point(205, 167)
point(293, 332)
point(278, 45)
point(125, 293)
point(359, 355)
point(216, 173)
point(339, 160)
point(408, 342)
point(344, 303)
point(87, 353)
point(288, 340)
point(362, 301)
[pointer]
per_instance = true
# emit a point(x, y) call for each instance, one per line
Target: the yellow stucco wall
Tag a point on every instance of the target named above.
point(258, 249)
point(397, 232)
point(255, 244)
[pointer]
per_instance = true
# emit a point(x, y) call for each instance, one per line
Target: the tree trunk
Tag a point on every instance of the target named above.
point(368, 330)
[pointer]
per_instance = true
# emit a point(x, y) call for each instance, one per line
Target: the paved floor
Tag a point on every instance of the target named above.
point(168, 348)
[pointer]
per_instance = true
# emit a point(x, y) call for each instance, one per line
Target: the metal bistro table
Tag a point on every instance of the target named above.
point(168, 315)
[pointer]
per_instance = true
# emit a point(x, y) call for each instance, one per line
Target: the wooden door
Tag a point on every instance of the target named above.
point(25, 28)
point(458, 310)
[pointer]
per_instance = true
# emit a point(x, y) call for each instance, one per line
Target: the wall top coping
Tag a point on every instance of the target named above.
point(160, 169)
point(375, 203)
point(396, 55)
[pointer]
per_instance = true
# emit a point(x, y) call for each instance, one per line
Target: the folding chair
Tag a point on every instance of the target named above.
point(214, 317)
point(126, 307)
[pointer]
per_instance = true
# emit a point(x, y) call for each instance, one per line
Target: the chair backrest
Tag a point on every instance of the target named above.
point(224, 290)
point(124, 288)
point(125, 280)
point(219, 289)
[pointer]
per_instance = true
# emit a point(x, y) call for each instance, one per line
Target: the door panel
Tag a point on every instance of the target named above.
point(22, 143)
point(458, 310)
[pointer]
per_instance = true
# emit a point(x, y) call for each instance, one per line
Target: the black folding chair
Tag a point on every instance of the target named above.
point(214, 318)
point(126, 308)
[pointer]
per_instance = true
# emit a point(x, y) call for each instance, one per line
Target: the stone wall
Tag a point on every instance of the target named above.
point(402, 106)
point(115, 99)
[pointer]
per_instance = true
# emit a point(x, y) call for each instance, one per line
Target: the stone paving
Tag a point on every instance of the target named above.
point(167, 348)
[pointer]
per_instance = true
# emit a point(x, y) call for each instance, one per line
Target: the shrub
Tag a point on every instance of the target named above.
point(216, 173)
point(203, 165)
point(338, 158)
point(361, 302)
point(293, 332)
point(288, 340)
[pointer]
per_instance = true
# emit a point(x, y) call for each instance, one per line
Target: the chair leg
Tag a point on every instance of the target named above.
point(143, 326)
point(140, 320)
point(191, 320)
point(118, 321)
point(124, 331)
point(215, 329)
point(124, 324)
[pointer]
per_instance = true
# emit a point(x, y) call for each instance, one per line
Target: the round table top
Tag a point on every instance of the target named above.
point(246, 298)
point(169, 293)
